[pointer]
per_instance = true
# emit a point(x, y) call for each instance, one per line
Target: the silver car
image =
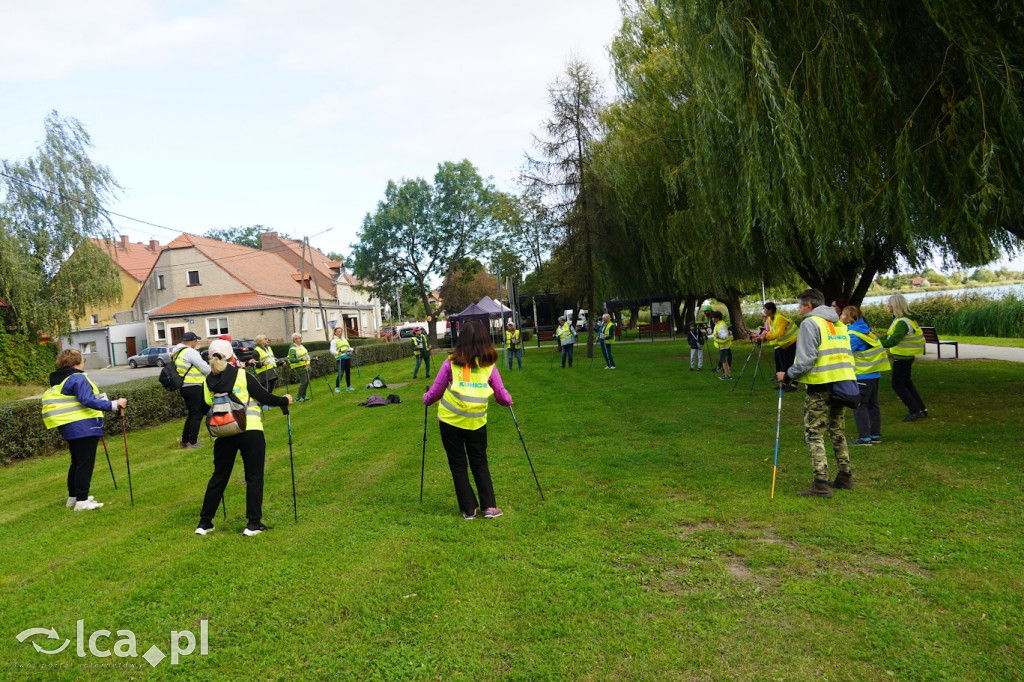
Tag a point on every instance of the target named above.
point(152, 356)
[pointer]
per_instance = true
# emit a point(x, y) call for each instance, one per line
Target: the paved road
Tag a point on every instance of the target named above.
point(970, 351)
point(115, 375)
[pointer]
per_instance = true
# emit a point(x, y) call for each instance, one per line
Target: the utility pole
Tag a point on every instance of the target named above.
point(319, 301)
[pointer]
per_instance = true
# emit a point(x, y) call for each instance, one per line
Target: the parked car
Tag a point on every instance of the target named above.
point(154, 356)
point(388, 332)
point(243, 350)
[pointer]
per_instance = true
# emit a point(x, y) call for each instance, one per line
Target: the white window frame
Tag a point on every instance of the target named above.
point(213, 334)
point(319, 324)
point(88, 348)
point(160, 331)
point(188, 279)
point(161, 284)
point(304, 321)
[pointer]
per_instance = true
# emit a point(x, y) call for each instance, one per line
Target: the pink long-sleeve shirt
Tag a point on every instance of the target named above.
point(444, 377)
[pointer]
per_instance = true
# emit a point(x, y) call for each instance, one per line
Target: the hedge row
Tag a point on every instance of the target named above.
point(24, 362)
point(22, 434)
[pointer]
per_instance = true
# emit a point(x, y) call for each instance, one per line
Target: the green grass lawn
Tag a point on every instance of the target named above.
point(658, 553)
point(9, 392)
point(986, 340)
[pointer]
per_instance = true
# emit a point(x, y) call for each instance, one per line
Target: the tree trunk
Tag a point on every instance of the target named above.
point(690, 305)
point(634, 316)
point(732, 304)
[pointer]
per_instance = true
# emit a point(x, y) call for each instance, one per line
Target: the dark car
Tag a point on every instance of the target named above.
point(243, 348)
point(154, 356)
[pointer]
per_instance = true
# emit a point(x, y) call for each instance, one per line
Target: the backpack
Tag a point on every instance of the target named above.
point(393, 399)
point(226, 417)
point(375, 401)
point(169, 377)
point(377, 383)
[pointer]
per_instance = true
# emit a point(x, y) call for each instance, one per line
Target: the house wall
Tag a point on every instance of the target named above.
point(129, 288)
point(174, 265)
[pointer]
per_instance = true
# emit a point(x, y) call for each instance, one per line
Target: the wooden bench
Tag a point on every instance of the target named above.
point(931, 336)
point(658, 327)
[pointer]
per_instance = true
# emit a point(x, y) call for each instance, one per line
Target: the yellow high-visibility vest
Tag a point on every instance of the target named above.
point(464, 403)
point(788, 337)
point(913, 343)
point(511, 338)
point(420, 343)
point(60, 409)
point(253, 414)
point(564, 333)
point(721, 344)
point(189, 373)
point(301, 357)
point(264, 359)
point(873, 358)
point(341, 347)
point(835, 359)
point(608, 333)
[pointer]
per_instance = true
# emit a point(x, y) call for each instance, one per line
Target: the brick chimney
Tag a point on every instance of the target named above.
point(154, 245)
point(124, 242)
point(266, 237)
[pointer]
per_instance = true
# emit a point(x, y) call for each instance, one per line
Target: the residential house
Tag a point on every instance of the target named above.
point(211, 288)
point(920, 282)
point(108, 334)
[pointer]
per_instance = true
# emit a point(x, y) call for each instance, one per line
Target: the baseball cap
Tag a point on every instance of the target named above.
point(707, 306)
point(222, 348)
point(190, 336)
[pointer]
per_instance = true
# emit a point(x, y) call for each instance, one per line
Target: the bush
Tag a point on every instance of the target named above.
point(24, 362)
point(527, 334)
point(22, 434)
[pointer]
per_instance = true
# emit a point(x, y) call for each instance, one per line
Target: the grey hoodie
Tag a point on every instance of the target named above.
point(809, 339)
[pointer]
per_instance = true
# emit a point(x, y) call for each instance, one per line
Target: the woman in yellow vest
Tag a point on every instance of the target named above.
point(74, 406)
point(606, 335)
point(342, 351)
point(780, 333)
point(265, 362)
point(904, 340)
point(420, 350)
point(298, 360)
point(869, 360)
point(248, 391)
point(566, 336)
point(464, 385)
point(513, 345)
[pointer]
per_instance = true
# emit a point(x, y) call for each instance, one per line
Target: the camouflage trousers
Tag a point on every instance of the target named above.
point(821, 416)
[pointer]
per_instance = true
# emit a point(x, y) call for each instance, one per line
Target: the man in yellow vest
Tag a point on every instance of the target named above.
point(823, 357)
point(193, 370)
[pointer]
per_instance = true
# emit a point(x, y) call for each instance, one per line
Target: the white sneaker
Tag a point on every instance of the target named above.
point(87, 505)
point(74, 500)
point(201, 530)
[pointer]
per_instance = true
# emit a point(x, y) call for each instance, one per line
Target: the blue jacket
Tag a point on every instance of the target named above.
point(78, 386)
point(856, 344)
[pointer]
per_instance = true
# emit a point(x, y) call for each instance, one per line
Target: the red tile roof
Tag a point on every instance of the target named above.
point(216, 304)
point(136, 259)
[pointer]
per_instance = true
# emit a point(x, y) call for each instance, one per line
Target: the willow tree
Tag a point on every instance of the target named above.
point(560, 172)
point(50, 205)
point(840, 137)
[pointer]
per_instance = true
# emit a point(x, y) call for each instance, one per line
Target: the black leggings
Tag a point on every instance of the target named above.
point(253, 447)
point(83, 460)
point(904, 386)
point(344, 365)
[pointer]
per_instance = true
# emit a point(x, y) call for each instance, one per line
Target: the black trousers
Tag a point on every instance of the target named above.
point(567, 353)
point(784, 357)
point(83, 460)
point(904, 386)
point(253, 447)
point(196, 406)
point(344, 365)
point(268, 379)
point(461, 444)
point(868, 414)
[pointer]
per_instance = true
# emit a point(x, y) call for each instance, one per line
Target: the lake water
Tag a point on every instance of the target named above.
point(997, 291)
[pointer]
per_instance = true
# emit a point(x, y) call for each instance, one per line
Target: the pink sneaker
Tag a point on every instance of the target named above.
point(492, 513)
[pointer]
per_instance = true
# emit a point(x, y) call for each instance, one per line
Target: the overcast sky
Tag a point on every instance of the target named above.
point(292, 115)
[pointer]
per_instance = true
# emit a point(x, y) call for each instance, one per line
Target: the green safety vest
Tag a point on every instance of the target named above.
point(342, 346)
point(416, 344)
point(253, 414)
point(301, 357)
point(788, 337)
point(913, 343)
point(835, 359)
point(188, 377)
point(464, 403)
point(873, 359)
point(720, 343)
point(265, 359)
point(608, 333)
point(511, 338)
point(60, 409)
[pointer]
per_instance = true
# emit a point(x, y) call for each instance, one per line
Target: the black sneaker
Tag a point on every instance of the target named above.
point(254, 530)
point(876, 439)
point(912, 417)
point(204, 528)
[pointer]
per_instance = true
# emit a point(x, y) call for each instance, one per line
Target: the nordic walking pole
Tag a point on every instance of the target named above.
point(328, 381)
point(423, 459)
point(514, 421)
point(778, 423)
point(552, 359)
point(224, 505)
point(105, 452)
point(291, 461)
point(124, 432)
